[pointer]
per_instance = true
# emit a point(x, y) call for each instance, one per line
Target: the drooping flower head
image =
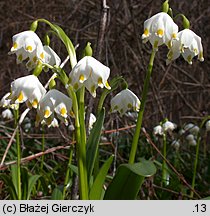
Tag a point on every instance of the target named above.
point(124, 101)
point(160, 29)
point(188, 45)
point(168, 126)
point(7, 114)
point(27, 89)
point(90, 73)
point(54, 102)
point(26, 45)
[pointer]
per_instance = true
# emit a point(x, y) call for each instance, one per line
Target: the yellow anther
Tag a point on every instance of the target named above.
point(146, 32)
point(20, 57)
point(100, 81)
point(174, 35)
point(81, 78)
point(93, 89)
point(63, 111)
point(189, 58)
point(160, 32)
point(130, 106)
point(34, 59)
point(46, 113)
point(20, 97)
point(29, 64)
point(15, 45)
point(71, 113)
point(35, 103)
point(42, 55)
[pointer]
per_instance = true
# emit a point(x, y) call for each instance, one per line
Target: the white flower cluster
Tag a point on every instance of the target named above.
point(161, 29)
point(28, 46)
point(165, 127)
point(192, 131)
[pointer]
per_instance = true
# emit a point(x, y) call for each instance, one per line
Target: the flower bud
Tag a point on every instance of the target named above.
point(165, 6)
point(185, 22)
point(52, 84)
point(88, 50)
point(47, 40)
point(34, 26)
point(38, 69)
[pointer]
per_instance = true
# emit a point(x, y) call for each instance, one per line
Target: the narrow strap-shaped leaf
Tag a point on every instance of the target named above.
point(128, 180)
point(8, 181)
point(93, 142)
point(96, 189)
point(24, 182)
point(31, 183)
point(14, 175)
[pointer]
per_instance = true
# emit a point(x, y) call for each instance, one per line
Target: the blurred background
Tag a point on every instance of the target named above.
point(179, 91)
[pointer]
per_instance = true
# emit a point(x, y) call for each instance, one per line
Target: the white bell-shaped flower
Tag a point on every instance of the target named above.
point(168, 126)
point(158, 130)
point(53, 102)
point(176, 144)
point(188, 44)
point(125, 100)
point(160, 29)
point(51, 57)
point(91, 73)
point(26, 45)
point(192, 128)
point(7, 114)
point(207, 125)
point(27, 89)
point(5, 102)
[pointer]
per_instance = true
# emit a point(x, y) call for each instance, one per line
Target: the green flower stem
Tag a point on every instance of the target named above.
point(197, 156)
point(68, 171)
point(195, 166)
point(141, 111)
point(19, 196)
point(81, 149)
point(164, 173)
point(42, 158)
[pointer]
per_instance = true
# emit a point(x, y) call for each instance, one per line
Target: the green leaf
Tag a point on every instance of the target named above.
point(14, 174)
point(97, 188)
point(9, 183)
point(24, 182)
point(31, 183)
point(128, 180)
point(93, 143)
point(74, 168)
point(57, 194)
